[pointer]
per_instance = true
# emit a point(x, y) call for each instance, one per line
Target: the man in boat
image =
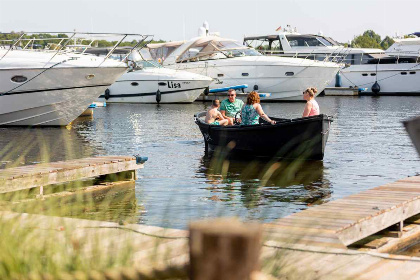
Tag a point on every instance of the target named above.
point(214, 117)
point(229, 107)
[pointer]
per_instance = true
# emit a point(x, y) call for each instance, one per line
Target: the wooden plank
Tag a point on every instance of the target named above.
point(370, 226)
point(414, 179)
point(325, 219)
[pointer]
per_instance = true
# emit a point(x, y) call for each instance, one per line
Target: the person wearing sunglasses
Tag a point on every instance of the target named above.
point(312, 107)
point(229, 107)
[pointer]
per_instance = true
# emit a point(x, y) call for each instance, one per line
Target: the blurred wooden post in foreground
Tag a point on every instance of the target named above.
point(224, 249)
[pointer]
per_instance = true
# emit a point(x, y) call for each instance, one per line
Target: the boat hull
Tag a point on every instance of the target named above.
point(54, 98)
point(142, 86)
point(284, 78)
point(394, 79)
point(303, 138)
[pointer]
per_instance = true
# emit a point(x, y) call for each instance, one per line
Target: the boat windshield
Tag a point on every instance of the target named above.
point(324, 41)
point(308, 41)
point(216, 49)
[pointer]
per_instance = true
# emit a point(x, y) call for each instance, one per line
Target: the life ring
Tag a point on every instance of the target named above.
point(107, 94)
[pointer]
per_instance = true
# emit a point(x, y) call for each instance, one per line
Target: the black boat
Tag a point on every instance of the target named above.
point(302, 138)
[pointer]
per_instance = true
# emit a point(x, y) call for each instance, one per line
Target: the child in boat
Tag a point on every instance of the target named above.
point(214, 117)
point(312, 107)
point(252, 110)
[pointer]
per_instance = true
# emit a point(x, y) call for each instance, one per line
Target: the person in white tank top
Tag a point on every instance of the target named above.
point(312, 107)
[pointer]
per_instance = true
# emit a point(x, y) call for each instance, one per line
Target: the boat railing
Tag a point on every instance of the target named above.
point(70, 42)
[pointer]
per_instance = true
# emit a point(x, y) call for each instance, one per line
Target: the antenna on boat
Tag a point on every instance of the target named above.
point(203, 31)
point(183, 26)
point(206, 27)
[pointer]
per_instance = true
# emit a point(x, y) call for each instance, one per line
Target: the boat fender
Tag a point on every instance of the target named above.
point(158, 96)
point(376, 88)
point(255, 87)
point(141, 160)
point(207, 91)
point(107, 94)
point(338, 79)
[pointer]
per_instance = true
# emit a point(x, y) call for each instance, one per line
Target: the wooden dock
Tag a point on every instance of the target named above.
point(339, 223)
point(356, 237)
point(40, 175)
point(339, 91)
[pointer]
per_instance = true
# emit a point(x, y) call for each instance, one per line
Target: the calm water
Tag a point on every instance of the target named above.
point(367, 147)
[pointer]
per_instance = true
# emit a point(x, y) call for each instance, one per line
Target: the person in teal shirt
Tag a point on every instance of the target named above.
point(229, 107)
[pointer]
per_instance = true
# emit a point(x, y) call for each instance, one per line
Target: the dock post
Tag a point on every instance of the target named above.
point(401, 227)
point(224, 249)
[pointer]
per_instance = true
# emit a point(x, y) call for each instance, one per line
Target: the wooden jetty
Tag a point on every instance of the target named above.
point(41, 175)
point(356, 237)
point(339, 91)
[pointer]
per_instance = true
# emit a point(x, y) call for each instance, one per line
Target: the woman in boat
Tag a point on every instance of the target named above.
point(312, 107)
point(252, 110)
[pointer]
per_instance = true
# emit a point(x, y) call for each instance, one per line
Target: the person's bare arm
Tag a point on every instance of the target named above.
point(223, 112)
point(263, 115)
point(307, 109)
point(220, 116)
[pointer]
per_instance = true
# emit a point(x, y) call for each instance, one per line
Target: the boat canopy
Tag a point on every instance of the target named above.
point(211, 47)
point(266, 38)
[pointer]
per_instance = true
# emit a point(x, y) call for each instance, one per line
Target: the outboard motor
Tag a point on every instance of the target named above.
point(255, 87)
point(376, 88)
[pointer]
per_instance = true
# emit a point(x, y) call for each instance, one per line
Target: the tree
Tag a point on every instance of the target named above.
point(369, 39)
point(387, 42)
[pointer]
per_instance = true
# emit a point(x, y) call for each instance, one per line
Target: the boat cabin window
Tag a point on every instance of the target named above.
point(392, 60)
point(303, 41)
point(213, 49)
point(267, 45)
point(159, 54)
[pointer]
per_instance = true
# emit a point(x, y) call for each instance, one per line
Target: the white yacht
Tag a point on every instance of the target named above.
point(290, 43)
point(396, 73)
point(230, 63)
point(149, 82)
point(50, 87)
point(392, 71)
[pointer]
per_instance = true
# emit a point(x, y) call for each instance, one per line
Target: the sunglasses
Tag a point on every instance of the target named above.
point(231, 95)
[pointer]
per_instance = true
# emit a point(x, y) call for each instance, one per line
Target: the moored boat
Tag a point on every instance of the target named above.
point(51, 85)
point(301, 138)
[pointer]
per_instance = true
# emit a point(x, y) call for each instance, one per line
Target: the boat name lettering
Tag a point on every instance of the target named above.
point(174, 85)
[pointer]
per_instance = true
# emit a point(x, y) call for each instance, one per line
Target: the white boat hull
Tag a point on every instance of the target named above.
point(54, 98)
point(142, 86)
point(270, 74)
point(393, 79)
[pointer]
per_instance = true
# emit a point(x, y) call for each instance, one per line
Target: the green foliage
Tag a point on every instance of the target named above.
point(387, 42)
point(369, 39)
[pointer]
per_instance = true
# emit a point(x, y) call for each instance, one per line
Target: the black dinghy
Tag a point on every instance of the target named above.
point(302, 138)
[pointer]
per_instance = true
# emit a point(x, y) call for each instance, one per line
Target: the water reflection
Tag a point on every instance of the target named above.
point(261, 182)
point(23, 146)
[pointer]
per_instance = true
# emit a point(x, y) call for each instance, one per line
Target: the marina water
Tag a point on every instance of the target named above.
point(367, 147)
